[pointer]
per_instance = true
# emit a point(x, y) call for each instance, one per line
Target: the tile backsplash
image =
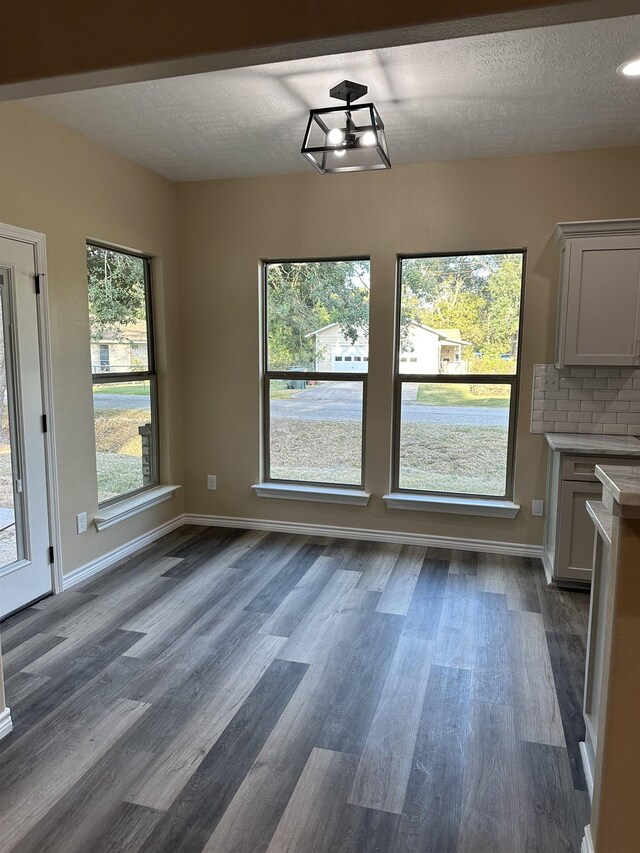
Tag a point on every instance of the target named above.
point(588, 400)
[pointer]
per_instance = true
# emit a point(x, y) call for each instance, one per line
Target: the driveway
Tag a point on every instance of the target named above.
point(342, 401)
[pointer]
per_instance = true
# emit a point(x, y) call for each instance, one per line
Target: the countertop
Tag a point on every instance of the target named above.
point(622, 482)
point(593, 445)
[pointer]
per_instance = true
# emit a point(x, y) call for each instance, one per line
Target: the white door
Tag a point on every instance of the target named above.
point(350, 358)
point(25, 568)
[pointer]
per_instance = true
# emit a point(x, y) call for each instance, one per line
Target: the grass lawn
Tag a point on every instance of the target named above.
point(119, 451)
point(139, 389)
point(466, 459)
point(493, 396)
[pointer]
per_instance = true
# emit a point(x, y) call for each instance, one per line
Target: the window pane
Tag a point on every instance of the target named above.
point(316, 431)
point(318, 316)
point(124, 438)
point(117, 311)
point(460, 314)
point(454, 438)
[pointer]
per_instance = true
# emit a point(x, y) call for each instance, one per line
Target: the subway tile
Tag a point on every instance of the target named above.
point(633, 429)
point(538, 426)
point(567, 427)
point(628, 372)
point(605, 395)
point(584, 372)
point(594, 383)
point(628, 418)
point(618, 406)
point(579, 417)
point(555, 416)
point(595, 429)
point(570, 382)
point(618, 384)
point(636, 382)
point(557, 395)
point(629, 395)
point(634, 407)
point(608, 372)
point(603, 418)
point(592, 406)
point(578, 394)
point(615, 429)
point(568, 405)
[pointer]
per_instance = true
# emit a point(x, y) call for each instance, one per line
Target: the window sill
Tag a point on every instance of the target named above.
point(115, 513)
point(321, 494)
point(455, 506)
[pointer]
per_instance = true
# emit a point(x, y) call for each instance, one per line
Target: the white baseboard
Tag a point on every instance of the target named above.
point(393, 536)
point(587, 841)
point(586, 766)
point(6, 726)
point(101, 563)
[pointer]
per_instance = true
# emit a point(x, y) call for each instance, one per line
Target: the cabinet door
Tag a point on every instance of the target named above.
point(602, 322)
point(576, 531)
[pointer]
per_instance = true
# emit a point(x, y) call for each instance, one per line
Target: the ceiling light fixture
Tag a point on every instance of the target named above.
point(350, 139)
point(630, 69)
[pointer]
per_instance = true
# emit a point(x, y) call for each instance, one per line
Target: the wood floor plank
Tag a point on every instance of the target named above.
point(376, 564)
point(28, 652)
point(353, 710)
point(385, 765)
point(294, 607)
point(89, 809)
point(433, 803)
point(398, 592)
point(535, 702)
point(275, 591)
point(196, 812)
point(252, 816)
point(491, 677)
point(69, 754)
point(457, 635)
point(492, 798)
point(316, 805)
point(554, 815)
point(567, 652)
point(463, 563)
point(425, 609)
point(21, 685)
point(510, 576)
point(563, 611)
point(179, 759)
point(316, 630)
point(16, 631)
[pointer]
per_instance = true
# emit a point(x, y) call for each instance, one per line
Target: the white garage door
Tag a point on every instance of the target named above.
point(350, 359)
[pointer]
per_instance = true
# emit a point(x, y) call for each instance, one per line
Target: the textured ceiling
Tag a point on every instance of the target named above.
point(538, 90)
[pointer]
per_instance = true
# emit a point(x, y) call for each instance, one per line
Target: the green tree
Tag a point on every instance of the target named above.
point(116, 292)
point(305, 296)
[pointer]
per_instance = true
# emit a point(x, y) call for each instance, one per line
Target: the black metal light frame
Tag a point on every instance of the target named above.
point(317, 155)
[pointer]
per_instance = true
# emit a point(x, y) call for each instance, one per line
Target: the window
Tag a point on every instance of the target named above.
point(458, 324)
point(123, 369)
point(313, 397)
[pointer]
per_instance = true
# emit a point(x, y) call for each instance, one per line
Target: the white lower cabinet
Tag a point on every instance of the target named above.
point(568, 545)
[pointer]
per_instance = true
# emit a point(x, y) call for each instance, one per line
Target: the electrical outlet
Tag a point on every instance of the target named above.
point(81, 522)
point(211, 482)
point(549, 382)
point(537, 508)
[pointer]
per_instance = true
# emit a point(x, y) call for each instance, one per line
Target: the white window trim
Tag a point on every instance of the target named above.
point(454, 505)
point(127, 507)
point(320, 494)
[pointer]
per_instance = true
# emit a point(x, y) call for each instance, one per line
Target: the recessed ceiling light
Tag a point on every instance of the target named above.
point(630, 69)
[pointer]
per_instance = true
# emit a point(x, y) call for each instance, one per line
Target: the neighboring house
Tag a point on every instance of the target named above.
point(426, 350)
point(121, 351)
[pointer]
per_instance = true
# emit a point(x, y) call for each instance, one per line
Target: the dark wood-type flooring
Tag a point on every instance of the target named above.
point(230, 690)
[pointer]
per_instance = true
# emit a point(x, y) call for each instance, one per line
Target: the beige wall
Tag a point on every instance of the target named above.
point(55, 181)
point(225, 227)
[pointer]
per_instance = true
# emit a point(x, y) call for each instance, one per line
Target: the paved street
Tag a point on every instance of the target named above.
point(343, 401)
point(120, 401)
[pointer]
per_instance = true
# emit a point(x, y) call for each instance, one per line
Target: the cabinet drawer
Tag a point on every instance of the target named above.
point(583, 468)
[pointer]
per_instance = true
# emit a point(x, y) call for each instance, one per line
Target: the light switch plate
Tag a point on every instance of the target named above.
point(81, 522)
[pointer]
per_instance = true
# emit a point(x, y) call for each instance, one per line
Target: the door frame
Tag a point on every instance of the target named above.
point(39, 243)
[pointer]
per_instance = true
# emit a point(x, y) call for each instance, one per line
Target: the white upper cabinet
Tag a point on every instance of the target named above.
point(599, 308)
